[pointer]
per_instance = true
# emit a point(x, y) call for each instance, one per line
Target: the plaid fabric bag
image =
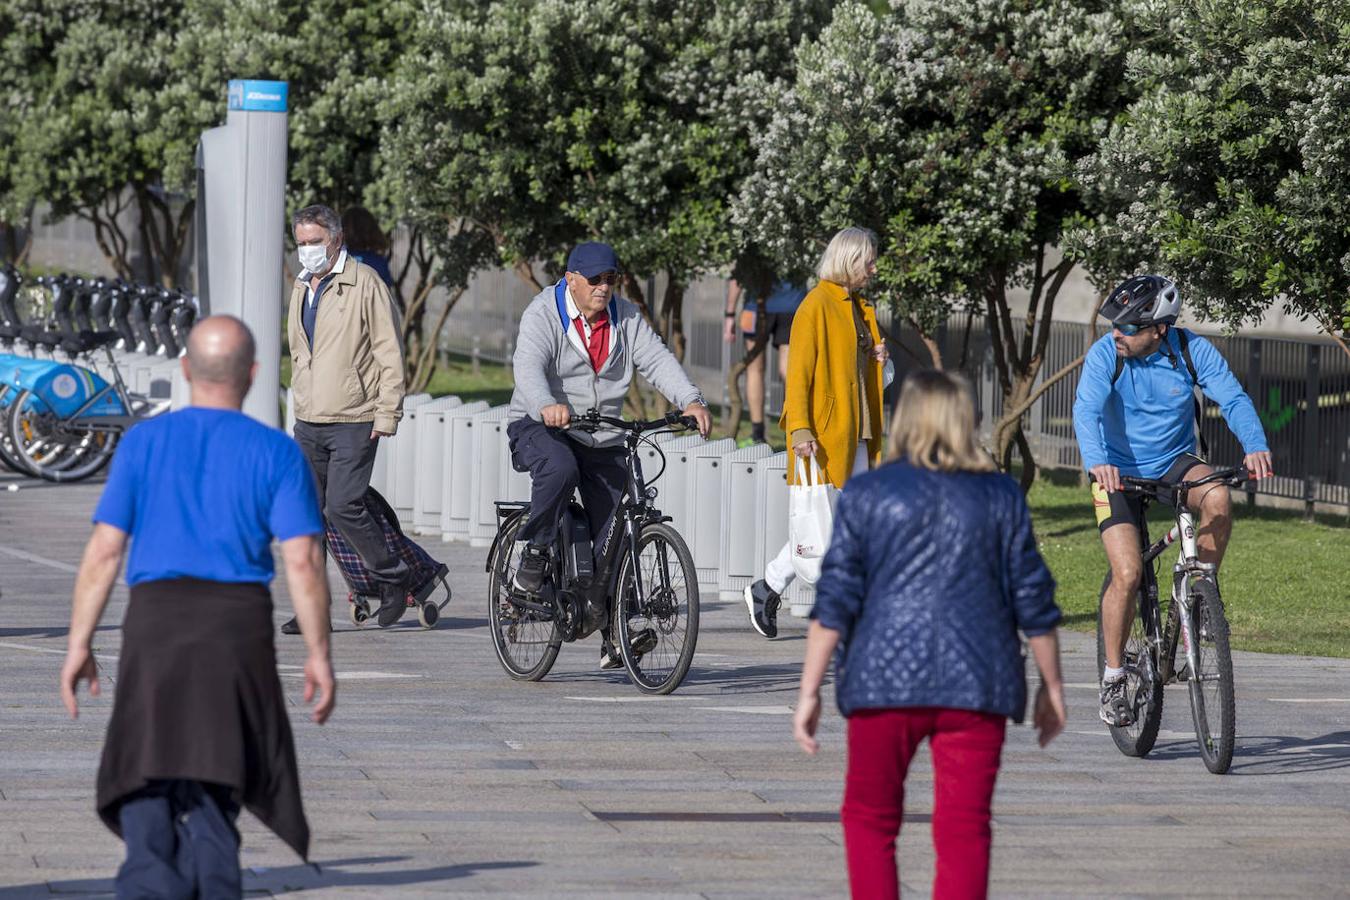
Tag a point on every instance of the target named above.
point(422, 567)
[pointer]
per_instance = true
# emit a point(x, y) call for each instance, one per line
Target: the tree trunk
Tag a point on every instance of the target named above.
point(108, 234)
point(672, 317)
point(163, 235)
point(929, 343)
point(421, 370)
point(523, 269)
point(1018, 358)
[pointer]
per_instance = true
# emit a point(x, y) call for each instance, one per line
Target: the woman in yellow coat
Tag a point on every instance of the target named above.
point(832, 404)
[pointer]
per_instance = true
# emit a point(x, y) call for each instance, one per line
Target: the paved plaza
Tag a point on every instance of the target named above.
point(439, 776)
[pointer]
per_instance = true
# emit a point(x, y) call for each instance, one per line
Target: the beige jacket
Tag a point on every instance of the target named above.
point(354, 371)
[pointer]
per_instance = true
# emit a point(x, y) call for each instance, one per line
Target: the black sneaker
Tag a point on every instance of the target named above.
point(291, 627)
point(1115, 709)
point(529, 577)
point(642, 642)
point(762, 603)
point(393, 604)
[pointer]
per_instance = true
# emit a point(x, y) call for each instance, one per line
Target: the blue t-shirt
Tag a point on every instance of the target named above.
point(1146, 419)
point(203, 492)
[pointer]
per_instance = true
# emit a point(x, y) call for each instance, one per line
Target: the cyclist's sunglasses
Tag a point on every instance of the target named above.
point(1130, 329)
point(609, 278)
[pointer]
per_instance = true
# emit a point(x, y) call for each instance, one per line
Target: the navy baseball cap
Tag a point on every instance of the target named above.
point(592, 258)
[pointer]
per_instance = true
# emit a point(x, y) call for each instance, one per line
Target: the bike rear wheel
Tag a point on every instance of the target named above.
point(1143, 684)
point(1213, 705)
point(526, 643)
point(668, 609)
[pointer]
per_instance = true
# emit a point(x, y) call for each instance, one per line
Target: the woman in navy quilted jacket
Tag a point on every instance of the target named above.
point(931, 573)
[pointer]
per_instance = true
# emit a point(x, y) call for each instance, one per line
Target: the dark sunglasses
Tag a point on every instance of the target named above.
point(1129, 330)
point(610, 278)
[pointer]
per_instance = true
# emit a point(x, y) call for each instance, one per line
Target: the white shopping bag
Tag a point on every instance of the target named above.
point(810, 517)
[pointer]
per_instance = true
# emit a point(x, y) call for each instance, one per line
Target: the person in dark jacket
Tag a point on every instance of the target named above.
point(199, 725)
point(931, 573)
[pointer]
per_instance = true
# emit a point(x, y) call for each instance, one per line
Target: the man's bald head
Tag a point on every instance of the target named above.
point(220, 352)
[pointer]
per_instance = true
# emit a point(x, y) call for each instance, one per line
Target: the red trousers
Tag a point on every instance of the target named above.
point(965, 748)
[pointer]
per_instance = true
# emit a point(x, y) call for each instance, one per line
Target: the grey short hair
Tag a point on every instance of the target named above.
point(324, 216)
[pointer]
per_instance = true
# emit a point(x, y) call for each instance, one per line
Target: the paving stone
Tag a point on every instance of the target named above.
point(451, 780)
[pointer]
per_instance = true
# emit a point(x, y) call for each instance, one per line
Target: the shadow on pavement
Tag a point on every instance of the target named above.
point(285, 879)
point(1271, 755)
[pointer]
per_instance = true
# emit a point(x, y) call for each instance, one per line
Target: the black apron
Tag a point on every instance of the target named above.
point(198, 698)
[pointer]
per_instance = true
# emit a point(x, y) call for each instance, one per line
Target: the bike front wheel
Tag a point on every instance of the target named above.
point(657, 632)
point(526, 642)
point(1213, 706)
point(54, 449)
point(1143, 684)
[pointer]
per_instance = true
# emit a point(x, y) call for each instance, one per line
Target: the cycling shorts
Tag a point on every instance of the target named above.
point(1118, 508)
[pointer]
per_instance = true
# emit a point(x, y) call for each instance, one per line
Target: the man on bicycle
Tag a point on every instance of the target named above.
point(1136, 414)
point(578, 348)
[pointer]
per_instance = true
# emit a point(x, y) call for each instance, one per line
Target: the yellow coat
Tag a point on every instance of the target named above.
point(822, 395)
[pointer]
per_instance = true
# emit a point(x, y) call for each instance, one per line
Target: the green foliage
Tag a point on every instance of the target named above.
point(1230, 169)
point(544, 123)
point(949, 127)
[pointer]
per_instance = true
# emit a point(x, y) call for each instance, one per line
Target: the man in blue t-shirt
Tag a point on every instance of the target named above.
point(1134, 415)
point(199, 724)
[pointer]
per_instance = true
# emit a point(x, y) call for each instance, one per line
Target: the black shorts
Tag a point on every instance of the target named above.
point(1117, 508)
point(779, 324)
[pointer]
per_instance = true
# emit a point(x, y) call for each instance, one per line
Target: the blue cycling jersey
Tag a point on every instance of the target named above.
point(1145, 420)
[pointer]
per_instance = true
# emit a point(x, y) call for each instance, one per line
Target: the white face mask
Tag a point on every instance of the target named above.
point(314, 257)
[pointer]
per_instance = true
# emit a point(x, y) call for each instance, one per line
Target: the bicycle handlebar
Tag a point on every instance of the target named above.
point(593, 420)
point(1233, 477)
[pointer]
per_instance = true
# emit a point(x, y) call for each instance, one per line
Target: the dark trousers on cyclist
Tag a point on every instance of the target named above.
point(558, 466)
point(342, 455)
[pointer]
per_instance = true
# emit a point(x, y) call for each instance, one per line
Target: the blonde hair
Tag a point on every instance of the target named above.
point(847, 258)
point(934, 424)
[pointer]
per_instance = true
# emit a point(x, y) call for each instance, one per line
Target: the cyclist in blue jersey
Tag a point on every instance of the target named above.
point(1136, 414)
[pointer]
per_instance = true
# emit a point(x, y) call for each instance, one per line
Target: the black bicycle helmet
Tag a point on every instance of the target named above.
point(1143, 300)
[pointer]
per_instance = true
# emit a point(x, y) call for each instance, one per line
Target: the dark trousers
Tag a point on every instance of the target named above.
point(558, 466)
point(181, 843)
point(342, 455)
point(965, 747)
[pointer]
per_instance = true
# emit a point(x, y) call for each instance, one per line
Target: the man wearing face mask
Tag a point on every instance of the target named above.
point(347, 387)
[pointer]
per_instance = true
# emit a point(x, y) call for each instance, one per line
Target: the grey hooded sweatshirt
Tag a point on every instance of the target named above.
point(550, 368)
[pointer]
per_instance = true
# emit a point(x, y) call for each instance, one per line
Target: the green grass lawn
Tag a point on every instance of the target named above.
point(1284, 579)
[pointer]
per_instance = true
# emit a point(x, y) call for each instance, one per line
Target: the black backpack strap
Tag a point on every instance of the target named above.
point(1120, 367)
point(1184, 342)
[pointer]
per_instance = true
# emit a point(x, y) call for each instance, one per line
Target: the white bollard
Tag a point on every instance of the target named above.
point(673, 485)
point(429, 464)
point(703, 505)
point(399, 474)
point(740, 499)
point(489, 451)
point(772, 526)
point(457, 470)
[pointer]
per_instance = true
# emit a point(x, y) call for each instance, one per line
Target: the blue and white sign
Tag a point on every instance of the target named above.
point(258, 96)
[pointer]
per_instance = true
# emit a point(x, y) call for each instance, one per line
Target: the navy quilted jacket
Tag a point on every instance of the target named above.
point(928, 579)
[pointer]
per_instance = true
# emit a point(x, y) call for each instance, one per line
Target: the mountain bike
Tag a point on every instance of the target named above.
point(1194, 617)
point(640, 589)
